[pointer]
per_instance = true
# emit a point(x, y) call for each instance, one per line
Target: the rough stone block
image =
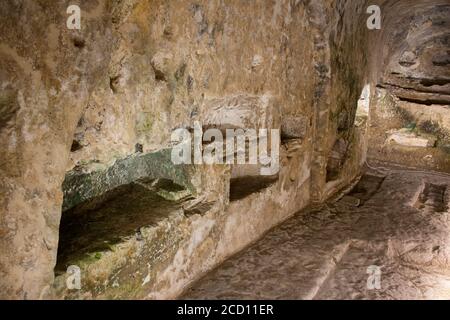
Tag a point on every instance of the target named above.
point(241, 112)
point(410, 139)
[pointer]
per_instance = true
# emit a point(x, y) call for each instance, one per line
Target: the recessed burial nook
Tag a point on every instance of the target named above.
point(250, 171)
point(103, 208)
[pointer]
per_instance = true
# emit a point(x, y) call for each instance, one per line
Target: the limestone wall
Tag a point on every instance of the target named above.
point(93, 109)
point(410, 107)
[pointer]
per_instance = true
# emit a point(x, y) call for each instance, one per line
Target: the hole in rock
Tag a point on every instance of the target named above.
point(434, 82)
point(244, 186)
point(432, 197)
point(138, 147)
point(94, 226)
point(79, 42)
point(114, 83)
point(366, 187)
point(75, 146)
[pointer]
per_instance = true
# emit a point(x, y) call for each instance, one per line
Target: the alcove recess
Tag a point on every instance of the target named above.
point(105, 207)
point(242, 113)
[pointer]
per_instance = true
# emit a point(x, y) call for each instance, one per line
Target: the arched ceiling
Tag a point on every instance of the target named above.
point(412, 49)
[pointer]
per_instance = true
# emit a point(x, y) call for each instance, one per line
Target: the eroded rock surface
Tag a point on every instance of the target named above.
point(86, 118)
point(325, 253)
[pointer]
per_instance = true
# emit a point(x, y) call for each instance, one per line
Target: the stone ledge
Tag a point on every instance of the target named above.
point(241, 112)
point(404, 137)
point(79, 187)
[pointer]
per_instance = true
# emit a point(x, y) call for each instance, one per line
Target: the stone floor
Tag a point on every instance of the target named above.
point(395, 219)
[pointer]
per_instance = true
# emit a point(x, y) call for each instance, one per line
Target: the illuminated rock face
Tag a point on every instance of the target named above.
point(86, 118)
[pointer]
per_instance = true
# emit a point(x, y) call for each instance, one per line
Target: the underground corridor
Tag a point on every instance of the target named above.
point(225, 150)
